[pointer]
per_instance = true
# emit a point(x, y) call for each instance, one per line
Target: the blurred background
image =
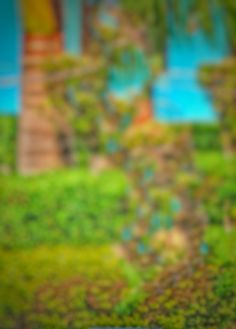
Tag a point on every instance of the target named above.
point(117, 164)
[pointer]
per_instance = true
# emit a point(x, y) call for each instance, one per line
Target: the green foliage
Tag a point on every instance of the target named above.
point(217, 190)
point(229, 7)
point(38, 17)
point(210, 163)
point(64, 286)
point(222, 245)
point(80, 208)
point(226, 283)
point(89, 285)
point(206, 137)
point(95, 117)
point(196, 301)
point(155, 14)
point(221, 80)
point(8, 133)
point(60, 287)
point(61, 260)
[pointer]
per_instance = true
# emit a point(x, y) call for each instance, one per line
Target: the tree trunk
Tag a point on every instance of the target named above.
point(39, 147)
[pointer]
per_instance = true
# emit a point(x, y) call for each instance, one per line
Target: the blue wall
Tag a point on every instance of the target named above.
point(72, 25)
point(10, 57)
point(177, 95)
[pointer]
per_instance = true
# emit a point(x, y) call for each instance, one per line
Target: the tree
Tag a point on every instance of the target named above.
point(39, 17)
point(156, 14)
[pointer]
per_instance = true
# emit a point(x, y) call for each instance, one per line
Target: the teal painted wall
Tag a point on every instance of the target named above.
point(10, 57)
point(72, 25)
point(177, 95)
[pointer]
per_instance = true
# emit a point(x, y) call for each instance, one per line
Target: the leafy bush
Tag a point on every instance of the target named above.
point(64, 207)
point(217, 190)
point(8, 130)
point(206, 137)
point(60, 287)
point(221, 80)
point(63, 287)
point(195, 302)
point(222, 245)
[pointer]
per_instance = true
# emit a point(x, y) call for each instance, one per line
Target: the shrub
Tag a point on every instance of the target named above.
point(8, 132)
point(76, 209)
point(206, 137)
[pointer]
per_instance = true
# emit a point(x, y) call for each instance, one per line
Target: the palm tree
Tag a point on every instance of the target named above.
point(42, 40)
point(156, 14)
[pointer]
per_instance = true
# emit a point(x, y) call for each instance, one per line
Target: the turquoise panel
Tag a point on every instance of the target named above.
point(72, 25)
point(10, 57)
point(177, 95)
